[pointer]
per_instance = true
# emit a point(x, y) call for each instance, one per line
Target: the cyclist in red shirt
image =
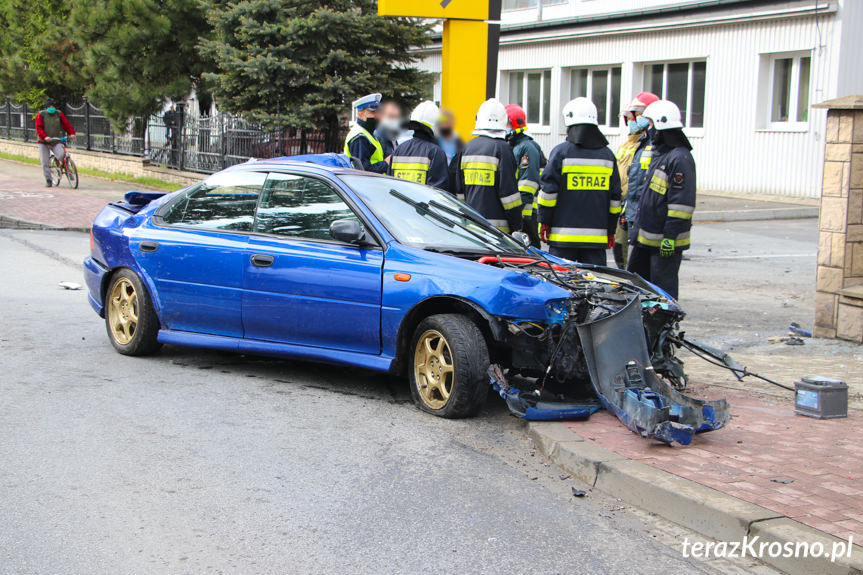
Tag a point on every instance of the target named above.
point(52, 128)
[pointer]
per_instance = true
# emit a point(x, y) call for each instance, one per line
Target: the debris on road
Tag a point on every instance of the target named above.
point(70, 285)
point(578, 492)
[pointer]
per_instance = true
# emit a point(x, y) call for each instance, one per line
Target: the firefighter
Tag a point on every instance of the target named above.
point(579, 198)
point(667, 201)
point(633, 159)
point(487, 168)
point(528, 156)
point(421, 158)
point(360, 142)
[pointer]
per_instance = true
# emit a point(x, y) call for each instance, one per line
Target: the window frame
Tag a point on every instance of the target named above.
point(374, 240)
point(687, 121)
point(796, 125)
point(609, 127)
point(544, 90)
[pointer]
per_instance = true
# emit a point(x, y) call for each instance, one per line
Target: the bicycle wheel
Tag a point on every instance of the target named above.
point(72, 173)
point(56, 171)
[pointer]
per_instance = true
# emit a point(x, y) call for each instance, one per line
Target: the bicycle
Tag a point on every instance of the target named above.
point(67, 167)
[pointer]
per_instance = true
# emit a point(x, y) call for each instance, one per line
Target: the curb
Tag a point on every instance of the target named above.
point(692, 505)
point(794, 213)
point(11, 223)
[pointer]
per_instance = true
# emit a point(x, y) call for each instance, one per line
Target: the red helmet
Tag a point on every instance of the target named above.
point(639, 103)
point(517, 117)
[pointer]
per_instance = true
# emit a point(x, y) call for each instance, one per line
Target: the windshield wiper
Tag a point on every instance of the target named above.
point(424, 208)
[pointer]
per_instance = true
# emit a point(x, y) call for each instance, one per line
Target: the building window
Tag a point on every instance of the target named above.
point(602, 87)
point(682, 83)
point(532, 91)
point(524, 4)
point(789, 88)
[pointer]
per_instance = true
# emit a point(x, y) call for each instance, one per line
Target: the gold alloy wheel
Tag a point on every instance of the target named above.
point(123, 311)
point(433, 369)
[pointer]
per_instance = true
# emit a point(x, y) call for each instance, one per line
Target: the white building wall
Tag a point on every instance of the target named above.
point(735, 151)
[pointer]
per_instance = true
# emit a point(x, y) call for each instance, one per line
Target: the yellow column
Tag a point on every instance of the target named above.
point(464, 80)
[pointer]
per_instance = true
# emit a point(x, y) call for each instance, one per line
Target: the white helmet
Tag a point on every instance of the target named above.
point(491, 116)
point(580, 111)
point(427, 114)
point(665, 115)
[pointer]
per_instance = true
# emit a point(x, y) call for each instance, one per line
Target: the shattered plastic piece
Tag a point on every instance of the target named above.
point(528, 405)
point(70, 285)
point(578, 492)
point(795, 330)
point(623, 377)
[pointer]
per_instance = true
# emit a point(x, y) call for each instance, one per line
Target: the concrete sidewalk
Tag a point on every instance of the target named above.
point(718, 207)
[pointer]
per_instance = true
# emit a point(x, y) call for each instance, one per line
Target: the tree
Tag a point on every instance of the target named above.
point(310, 59)
point(138, 53)
point(37, 57)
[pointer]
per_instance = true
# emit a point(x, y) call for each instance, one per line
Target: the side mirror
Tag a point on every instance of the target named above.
point(521, 238)
point(348, 231)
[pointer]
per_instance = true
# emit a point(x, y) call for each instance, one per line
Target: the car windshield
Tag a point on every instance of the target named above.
point(427, 218)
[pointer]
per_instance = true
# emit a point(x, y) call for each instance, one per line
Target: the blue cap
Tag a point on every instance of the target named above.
point(370, 102)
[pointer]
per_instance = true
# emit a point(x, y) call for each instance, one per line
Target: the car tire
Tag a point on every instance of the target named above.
point(448, 367)
point(130, 318)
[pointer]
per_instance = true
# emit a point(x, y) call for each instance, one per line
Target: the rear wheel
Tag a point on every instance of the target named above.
point(449, 375)
point(130, 319)
point(72, 173)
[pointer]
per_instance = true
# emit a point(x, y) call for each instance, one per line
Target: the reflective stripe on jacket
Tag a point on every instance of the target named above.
point(667, 199)
point(421, 161)
point(580, 196)
point(523, 147)
point(486, 180)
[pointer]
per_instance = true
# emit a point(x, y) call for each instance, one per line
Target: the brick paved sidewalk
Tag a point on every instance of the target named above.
point(23, 200)
point(807, 469)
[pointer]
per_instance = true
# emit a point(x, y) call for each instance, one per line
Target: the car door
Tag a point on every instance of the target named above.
point(194, 250)
point(300, 285)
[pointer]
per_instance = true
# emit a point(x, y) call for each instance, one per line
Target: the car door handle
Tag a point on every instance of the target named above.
point(262, 260)
point(149, 246)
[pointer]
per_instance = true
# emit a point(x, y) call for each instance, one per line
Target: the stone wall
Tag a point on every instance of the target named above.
point(111, 163)
point(839, 296)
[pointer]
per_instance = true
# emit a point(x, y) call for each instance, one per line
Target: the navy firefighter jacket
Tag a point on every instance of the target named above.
point(580, 196)
point(486, 181)
point(667, 198)
point(421, 160)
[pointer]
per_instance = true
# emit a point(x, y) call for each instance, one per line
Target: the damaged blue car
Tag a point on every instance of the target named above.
point(308, 258)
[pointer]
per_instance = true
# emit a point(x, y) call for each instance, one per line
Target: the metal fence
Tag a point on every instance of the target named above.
point(185, 142)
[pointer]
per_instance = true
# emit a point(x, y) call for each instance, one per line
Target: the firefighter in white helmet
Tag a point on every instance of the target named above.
point(486, 176)
point(579, 199)
point(667, 202)
point(421, 158)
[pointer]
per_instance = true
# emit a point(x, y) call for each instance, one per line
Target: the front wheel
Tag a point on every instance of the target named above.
point(56, 171)
point(72, 173)
point(449, 371)
point(130, 319)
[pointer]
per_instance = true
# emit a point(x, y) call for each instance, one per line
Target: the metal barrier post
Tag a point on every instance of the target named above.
point(8, 118)
point(26, 122)
point(181, 117)
point(223, 144)
point(87, 122)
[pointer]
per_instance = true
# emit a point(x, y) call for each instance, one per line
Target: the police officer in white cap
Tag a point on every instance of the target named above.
point(360, 142)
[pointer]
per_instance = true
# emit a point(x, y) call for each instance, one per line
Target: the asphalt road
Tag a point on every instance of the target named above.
point(196, 462)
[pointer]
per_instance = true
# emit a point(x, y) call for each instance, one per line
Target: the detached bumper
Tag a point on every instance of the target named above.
point(94, 276)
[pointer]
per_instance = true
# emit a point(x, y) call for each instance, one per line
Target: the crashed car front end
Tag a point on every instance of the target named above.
point(611, 342)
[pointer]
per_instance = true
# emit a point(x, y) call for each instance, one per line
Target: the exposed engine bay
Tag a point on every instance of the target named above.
point(610, 344)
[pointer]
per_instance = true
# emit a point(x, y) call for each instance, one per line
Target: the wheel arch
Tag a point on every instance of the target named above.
point(145, 281)
point(490, 327)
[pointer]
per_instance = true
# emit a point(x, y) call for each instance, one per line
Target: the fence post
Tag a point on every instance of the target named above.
point(8, 118)
point(303, 144)
point(87, 122)
point(26, 121)
point(223, 143)
point(181, 120)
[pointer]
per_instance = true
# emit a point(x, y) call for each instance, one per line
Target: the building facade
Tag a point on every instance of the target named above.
point(745, 74)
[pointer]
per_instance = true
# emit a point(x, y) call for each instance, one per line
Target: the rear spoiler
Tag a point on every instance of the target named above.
point(135, 201)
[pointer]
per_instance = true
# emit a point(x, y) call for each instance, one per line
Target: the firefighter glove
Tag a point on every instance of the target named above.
point(544, 230)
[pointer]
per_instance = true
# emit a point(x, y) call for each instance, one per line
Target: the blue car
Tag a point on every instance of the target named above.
point(308, 258)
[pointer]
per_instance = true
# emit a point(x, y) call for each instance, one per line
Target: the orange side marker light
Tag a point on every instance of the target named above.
point(401, 277)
